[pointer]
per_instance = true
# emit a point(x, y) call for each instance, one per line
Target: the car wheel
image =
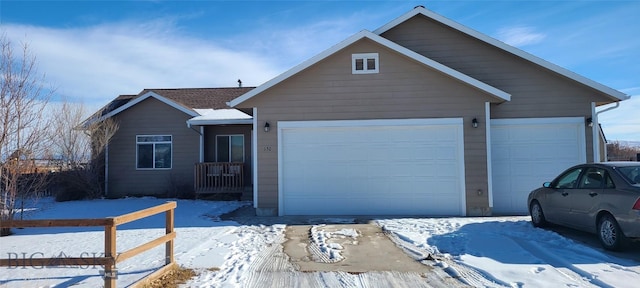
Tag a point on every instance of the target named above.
point(610, 234)
point(537, 216)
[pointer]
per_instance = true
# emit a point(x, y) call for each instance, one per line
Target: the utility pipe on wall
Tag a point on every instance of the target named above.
point(596, 131)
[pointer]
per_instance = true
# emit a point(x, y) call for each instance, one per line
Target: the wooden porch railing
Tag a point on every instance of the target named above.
point(111, 257)
point(214, 177)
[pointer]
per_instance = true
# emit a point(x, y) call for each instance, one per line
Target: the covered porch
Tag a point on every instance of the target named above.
point(225, 153)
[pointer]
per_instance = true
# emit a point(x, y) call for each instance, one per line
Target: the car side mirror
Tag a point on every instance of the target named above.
point(546, 185)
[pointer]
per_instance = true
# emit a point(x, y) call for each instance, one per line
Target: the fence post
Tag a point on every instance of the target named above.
point(110, 252)
point(169, 215)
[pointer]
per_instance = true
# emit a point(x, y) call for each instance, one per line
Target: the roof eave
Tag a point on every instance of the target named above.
point(145, 96)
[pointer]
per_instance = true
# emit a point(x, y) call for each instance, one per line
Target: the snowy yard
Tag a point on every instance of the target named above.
point(482, 252)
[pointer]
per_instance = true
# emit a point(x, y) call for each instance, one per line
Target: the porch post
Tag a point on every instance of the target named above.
point(254, 158)
point(106, 169)
point(201, 156)
point(595, 133)
point(487, 119)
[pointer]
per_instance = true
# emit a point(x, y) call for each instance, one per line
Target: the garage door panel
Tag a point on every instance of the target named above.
point(384, 169)
point(526, 153)
point(372, 206)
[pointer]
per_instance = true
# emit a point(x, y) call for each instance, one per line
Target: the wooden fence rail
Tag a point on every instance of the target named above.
point(111, 257)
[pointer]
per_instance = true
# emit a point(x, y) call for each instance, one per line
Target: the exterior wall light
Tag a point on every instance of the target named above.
point(474, 123)
point(267, 127)
point(590, 122)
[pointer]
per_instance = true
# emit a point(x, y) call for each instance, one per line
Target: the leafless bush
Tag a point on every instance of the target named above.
point(22, 127)
point(617, 151)
point(81, 145)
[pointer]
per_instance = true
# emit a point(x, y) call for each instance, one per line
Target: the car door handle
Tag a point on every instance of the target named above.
point(593, 194)
point(565, 193)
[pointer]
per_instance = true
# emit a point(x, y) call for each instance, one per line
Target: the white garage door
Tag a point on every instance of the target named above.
point(528, 152)
point(371, 167)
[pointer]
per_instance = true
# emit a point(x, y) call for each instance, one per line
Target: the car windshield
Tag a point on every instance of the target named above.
point(631, 173)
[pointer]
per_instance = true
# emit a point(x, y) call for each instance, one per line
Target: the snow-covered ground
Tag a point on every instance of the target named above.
point(482, 252)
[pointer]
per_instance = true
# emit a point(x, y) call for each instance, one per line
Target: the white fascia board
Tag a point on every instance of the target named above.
point(617, 95)
point(384, 42)
point(219, 122)
point(144, 97)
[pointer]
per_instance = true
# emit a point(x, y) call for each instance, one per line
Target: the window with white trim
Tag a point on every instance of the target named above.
point(230, 148)
point(365, 63)
point(153, 151)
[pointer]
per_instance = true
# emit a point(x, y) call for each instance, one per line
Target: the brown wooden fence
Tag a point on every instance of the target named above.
point(111, 257)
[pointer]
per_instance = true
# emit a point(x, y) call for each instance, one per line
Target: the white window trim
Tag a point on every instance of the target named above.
point(154, 154)
point(229, 135)
point(364, 57)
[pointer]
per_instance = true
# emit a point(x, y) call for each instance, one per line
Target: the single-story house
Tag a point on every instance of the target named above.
point(172, 141)
point(423, 116)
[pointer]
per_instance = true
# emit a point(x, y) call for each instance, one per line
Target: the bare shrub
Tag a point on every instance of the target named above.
point(22, 128)
point(617, 151)
point(81, 145)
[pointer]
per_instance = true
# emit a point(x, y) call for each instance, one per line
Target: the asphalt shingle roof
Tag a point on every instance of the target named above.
point(191, 98)
point(201, 98)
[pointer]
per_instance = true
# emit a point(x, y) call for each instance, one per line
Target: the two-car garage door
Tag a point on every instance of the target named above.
point(371, 167)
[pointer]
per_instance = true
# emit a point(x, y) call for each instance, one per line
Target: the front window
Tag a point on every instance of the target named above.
point(153, 151)
point(230, 148)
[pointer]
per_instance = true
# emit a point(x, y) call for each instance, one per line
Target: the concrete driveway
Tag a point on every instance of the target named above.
point(362, 248)
point(335, 251)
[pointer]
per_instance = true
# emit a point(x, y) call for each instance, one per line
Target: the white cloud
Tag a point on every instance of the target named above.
point(98, 63)
point(95, 64)
point(519, 36)
point(292, 45)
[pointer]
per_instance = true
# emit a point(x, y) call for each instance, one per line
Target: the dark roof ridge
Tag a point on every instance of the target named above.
point(204, 88)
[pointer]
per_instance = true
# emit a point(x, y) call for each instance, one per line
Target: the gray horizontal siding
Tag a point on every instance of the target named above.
point(536, 91)
point(403, 89)
point(151, 117)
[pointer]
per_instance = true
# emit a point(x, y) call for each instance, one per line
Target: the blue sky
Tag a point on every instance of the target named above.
point(92, 51)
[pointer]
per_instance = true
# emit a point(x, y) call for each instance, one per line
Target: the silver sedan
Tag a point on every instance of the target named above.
point(601, 198)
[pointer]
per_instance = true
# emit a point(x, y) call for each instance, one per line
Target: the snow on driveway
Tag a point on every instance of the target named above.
point(510, 252)
point(483, 252)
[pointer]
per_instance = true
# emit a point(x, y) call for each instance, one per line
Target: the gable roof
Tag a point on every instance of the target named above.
point(420, 10)
point(499, 94)
point(187, 100)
